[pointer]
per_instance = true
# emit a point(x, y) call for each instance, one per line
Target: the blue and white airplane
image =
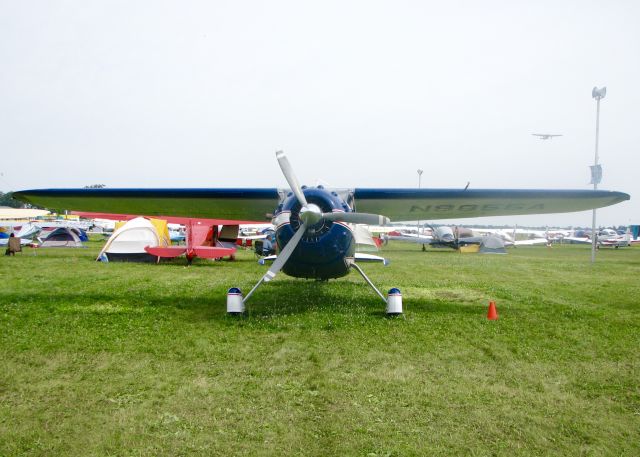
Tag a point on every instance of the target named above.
point(314, 226)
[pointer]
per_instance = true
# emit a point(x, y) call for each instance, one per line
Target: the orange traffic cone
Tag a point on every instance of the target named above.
point(492, 315)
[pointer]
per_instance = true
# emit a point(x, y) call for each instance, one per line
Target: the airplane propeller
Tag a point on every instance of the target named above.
point(285, 254)
point(356, 218)
point(287, 171)
point(311, 214)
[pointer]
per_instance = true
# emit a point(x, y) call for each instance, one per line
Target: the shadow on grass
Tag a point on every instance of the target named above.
point(198, 263)
point(442, 307)
point(276, 299)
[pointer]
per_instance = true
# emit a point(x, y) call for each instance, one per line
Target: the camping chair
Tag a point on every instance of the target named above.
point(13, 246)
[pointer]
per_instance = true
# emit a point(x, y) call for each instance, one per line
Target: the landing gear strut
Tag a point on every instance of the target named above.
point(236, 302)
point(393, 301)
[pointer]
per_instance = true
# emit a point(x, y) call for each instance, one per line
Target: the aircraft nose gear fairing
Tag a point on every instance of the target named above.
point(323, 251)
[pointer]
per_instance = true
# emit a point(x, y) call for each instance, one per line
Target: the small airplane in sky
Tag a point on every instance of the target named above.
point(314, 225)
point(545, 136)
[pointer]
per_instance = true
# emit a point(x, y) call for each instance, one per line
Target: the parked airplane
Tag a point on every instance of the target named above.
point(441, 237)
point(202, 236)
point(517, 236)
point(620, 242)
point(313, 225)
point(610, 238)
point(544, 136)
point(28, 230)
point(202, 240)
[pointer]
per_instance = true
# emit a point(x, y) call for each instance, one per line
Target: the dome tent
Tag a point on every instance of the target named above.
point(62, 237)
point(129, 239)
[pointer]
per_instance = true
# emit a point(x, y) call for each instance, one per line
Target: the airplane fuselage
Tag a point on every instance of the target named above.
point(325, 246)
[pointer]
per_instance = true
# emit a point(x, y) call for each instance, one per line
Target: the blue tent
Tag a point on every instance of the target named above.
point(62, 237)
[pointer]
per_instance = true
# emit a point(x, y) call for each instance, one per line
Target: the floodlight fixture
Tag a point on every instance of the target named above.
point(599, 94)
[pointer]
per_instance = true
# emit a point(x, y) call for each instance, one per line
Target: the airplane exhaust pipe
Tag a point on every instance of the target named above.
point(235, 301)
point(394, 302)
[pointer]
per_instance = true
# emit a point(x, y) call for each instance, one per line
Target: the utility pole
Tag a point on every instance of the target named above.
point(596, 170)
point(420, 171)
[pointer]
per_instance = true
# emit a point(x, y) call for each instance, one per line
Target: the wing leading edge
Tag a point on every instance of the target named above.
point(258, 204)
point(236, 204)
point(432, 204)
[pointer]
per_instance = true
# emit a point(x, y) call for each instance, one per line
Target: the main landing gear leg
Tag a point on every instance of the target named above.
point(393, 301)
point(235, 301)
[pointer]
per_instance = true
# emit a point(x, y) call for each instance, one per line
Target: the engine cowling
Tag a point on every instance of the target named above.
point(324, 245)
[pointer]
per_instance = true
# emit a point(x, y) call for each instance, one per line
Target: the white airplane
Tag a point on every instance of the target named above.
point(516, 236)
point(610, 238)
point(28, 230)
point(314, 225)
point(442, 236)
point(545, 136)
point(24, 231)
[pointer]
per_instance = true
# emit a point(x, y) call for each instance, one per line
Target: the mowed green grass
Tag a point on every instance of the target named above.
point(142, 360)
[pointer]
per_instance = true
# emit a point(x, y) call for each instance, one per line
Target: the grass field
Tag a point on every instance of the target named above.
point(142, 360)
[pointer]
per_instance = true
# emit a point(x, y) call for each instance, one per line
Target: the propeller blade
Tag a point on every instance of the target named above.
point(357, 218)
point(284, 254)
point(290, 176)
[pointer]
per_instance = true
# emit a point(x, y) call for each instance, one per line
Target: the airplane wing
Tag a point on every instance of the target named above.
point(258, 204)
point(235, 204)
point(435, 204)
point(533, 242)
point(411, 239)
point(168, 218)
point(166, 252)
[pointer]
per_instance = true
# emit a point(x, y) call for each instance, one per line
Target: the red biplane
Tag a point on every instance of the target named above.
point(203, 237)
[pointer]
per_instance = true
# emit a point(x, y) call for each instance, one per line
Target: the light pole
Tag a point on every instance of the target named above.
point(596, 170)
point(420, 171)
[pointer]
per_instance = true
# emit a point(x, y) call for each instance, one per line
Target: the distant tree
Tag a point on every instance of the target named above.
point(6, 199)
point(95, 186)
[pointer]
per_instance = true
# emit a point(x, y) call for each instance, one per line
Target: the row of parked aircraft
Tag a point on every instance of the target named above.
point(314, 227)
point(191, 237)
point(456, 237)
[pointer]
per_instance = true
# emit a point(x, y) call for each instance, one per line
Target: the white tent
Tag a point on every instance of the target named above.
point(128, 242)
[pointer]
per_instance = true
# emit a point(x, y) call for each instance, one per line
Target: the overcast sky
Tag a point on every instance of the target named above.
point(359, 94)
